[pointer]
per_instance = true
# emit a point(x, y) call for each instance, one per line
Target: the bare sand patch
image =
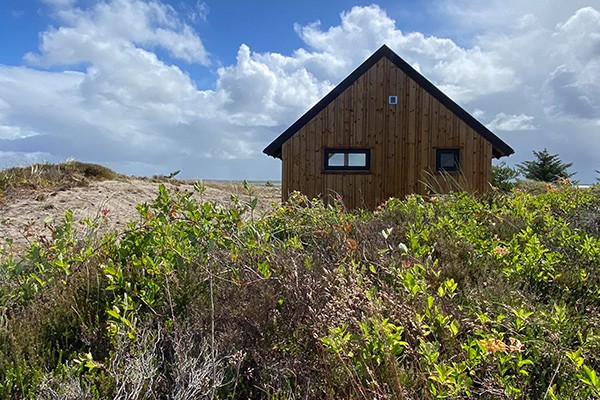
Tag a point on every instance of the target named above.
point(23, 214)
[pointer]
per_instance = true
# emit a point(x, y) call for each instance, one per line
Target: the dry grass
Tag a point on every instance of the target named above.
point(55, 176)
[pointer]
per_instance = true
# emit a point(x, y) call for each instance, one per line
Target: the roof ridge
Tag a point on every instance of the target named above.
point(500, 148)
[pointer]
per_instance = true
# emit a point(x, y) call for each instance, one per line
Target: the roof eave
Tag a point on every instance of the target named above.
point(497, 153)
point(500, 148)
point(274, 148)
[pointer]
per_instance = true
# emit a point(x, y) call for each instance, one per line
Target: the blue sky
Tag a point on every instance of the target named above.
point(149, 87)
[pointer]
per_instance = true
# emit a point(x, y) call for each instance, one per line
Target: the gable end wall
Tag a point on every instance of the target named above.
point(402, 139)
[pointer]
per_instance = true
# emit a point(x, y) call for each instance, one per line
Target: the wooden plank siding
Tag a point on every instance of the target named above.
point(403, 139)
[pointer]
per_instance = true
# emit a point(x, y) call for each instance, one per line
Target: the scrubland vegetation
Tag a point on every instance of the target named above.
point(447, 296)
point(52, 176)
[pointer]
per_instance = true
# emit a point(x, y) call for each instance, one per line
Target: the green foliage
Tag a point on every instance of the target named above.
point(545, 168)
point(503, 176)
point(450, 296)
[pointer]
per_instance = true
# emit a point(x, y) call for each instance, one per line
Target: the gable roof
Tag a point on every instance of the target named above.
point(499, 148)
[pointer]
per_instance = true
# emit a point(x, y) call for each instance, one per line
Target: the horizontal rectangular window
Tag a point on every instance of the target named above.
point(347, 159)
point(447, 160)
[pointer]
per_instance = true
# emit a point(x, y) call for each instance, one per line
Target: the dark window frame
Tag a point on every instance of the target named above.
point(438, 160)
point(346, 151)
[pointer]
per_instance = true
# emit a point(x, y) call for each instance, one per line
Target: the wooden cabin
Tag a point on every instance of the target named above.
point(385, 131)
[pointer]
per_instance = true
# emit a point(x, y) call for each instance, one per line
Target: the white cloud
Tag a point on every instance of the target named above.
point(494, 16)
point(581, 34)
point(117, 88)
point(97, 34)
point(10, 159)
point(198, 12)
point(362, 30)
point(129, 98)
point(567, 96)
point(504, 122)
point(125, 100)
point(477, 113)
point(263, 90)
point(463, 73)
point(572, 89)
point(12, 132)
point(60, 3)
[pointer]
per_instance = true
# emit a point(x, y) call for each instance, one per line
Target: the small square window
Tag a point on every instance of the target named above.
point(447, 160)
point(357, 160)
point(336, 160)
point(347, 159)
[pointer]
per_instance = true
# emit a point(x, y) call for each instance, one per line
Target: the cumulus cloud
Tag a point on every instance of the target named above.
point(262, 89)
point(503, 16)
point(96, 34)
point(504, 122)
point(572, 89)
point(122, 104)
point(110, 82)
point(581, 34)
point(567, 96)
point(463, 73)
point(554, 51)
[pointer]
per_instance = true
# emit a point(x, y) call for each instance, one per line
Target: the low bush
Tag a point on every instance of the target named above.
point(53, 176)
point(449, 296)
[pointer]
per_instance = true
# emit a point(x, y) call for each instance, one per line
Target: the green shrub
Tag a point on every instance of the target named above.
point(450, 296)
point(503, 176)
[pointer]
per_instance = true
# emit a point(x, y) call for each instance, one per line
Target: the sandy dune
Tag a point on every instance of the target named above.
point(23, 214)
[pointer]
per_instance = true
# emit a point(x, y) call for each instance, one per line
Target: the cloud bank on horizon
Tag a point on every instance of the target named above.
point(111, 83)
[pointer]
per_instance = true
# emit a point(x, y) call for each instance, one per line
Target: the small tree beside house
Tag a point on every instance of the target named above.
point(503, 176)
point(546, 168)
